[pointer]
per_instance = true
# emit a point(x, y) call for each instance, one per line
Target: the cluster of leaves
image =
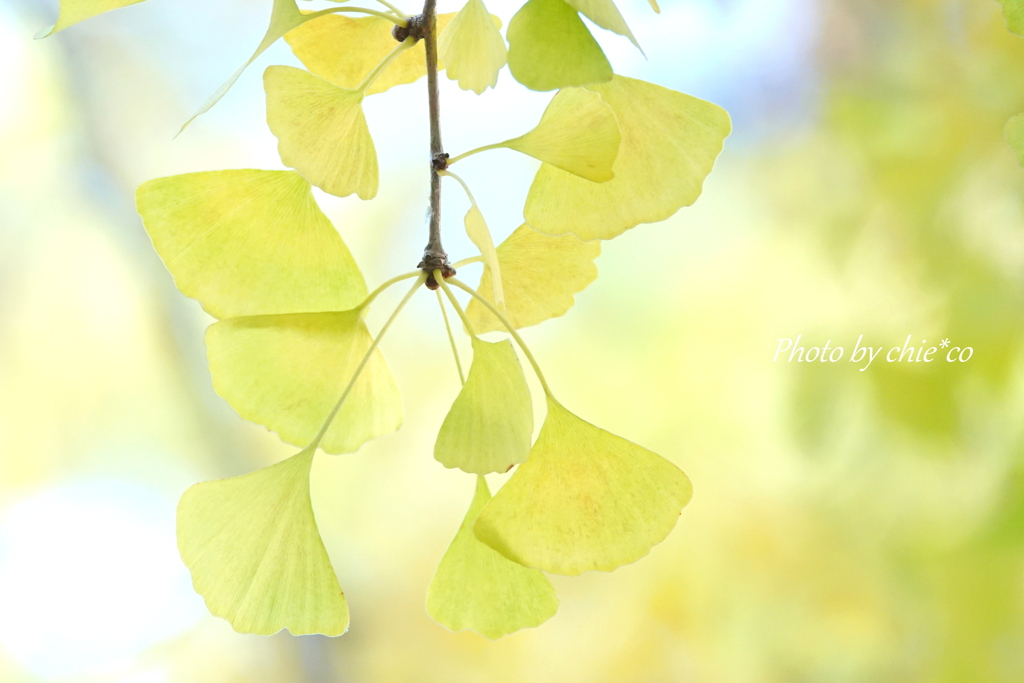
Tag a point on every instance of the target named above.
point(254, 249)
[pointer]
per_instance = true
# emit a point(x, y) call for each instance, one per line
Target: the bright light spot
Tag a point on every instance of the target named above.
point(90, 577)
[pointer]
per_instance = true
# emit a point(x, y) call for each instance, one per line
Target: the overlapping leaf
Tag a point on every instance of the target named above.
point(321, 131)
point(477, 588)
point(472, 48)
point(539, 276)
point(549, 47)
point(605, 14)
point(490, 425)
point(248, 242)
point(255, 553)
point(480, 235)
point(584, 500)
point(287, 371)
point(74, 11)
point(669, 145)
point(345, 50)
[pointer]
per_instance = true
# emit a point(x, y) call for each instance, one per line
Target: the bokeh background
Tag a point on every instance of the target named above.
point(846, 526)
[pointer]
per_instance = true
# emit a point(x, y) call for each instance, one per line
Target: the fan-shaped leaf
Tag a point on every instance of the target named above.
point(74, 11)
point(584, 500)
point(669, 145)
point(255, 554)
point(286, 372)
point(472, 48)
point(549, 47)
point(539, 275)
point(249, 242)
point(345, 50)
point(489, 427)
point(477, 588)
point(321, 131)
point(605, 14)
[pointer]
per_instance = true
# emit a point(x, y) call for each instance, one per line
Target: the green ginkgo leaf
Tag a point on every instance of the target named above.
point(249, 242)
point(1015, 136)
point(577, 134)
point(345, 50)
point(584, 500)
point(539, 276)
point(321, 131)
point(549, 47)
point(255, 554)
point(480, 235)
point(286, 372)
point(669, 145)
point(74, 11)
point(1013, 11)
point(605, 14)
point(472, 48)
point(477, 588)
point(490, 425)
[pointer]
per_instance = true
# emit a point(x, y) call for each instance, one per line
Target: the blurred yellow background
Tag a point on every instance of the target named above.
point(846, 526)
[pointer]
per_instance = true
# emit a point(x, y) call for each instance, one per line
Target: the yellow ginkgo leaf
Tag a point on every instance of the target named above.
point(489, 427)
point(286, 372)
point(605, 14)
point(477, 588)
point(249, 242)
point(321, 131)
point(539, 275)
point(549, 47)
point(669, 145)
point(480, 235)
point(654, 6)
point(584, 500)
point(577, 134)
point(1015, 136)
point(74, 11)
point(472, 48)
point(345, 50)
point(255, 554)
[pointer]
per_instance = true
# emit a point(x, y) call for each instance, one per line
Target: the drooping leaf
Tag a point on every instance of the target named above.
point(74, 11)
point(654, 6)
point(549, 47)
point(248, 242)
point(539, 275)
point(286, 372)
point(477, 588)
point(321, 131)
point(345, 50)
point(284, 17)
point(255, 553)
point(605, 14)
point(472, 48)
point(1013, 12)
point(669, 145)
point(1015, 136)
point(584, 500)
point(489, 427)
point(480, 235)
point(577, 134)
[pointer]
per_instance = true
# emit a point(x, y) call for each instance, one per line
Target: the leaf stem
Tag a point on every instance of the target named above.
point(395, 280)
point(315, 443)
point(468, 261)
point(508, 326)
point(377, 70)
point(455, 304)
point(472, 199)
point(398, 21)
point(471, 152)
point(451, 336)
point(394, 9)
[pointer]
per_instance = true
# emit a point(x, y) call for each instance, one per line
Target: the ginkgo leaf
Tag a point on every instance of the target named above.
point(255, 554)
point(584, 500)
point(74, 11)
point(669, 145)
point(284, 17)
point(549, 47)
point(472, 48)
point(1015, 136)
point(489, 427)
point(345, 50)
point(286, 372)
point(1013, 12)
point(477, 588)
point(605, 14)
point(321, 131)
point(654, 6)
point(577, 133)
point(249, 242)
point(539, 275)
point(480, 235)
